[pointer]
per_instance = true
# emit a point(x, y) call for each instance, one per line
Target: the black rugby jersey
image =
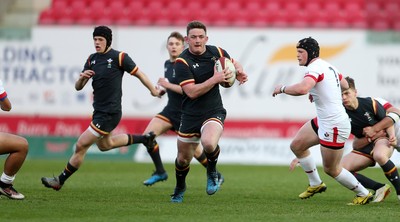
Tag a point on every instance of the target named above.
point(198, 68)
point(109, 69)
point(174, 99)
point(368, 113)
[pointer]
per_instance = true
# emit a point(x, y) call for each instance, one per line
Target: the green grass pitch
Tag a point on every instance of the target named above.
point(113, 191)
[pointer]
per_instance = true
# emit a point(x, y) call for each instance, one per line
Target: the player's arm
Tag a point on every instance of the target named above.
point(193, 90)
point(170, 86)
point(391, 135)
point(146, 82)
point(5, 103)
point(297, 89)
point(359, 143)
point(392, 117)
point(83, 79)
point(241, 76)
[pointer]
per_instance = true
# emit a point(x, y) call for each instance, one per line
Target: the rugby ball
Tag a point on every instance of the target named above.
point(161, 89)
point(220, 65)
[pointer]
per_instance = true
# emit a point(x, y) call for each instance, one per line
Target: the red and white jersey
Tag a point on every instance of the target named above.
point(386, 104)
point(3, 93)
point(327, 96)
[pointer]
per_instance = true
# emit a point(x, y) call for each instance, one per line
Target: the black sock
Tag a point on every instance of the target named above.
point(392, 174)
point(212, 159)
point(181, 173)
point(203, 159)
point(133, 139)
point(4, 185)
point(68, 171)
point(367, 182)
point(154, 153)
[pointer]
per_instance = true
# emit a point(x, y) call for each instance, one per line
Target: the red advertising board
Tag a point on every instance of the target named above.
point(74, 126)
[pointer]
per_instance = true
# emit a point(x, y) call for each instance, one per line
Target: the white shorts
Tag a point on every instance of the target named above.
point(334, 136)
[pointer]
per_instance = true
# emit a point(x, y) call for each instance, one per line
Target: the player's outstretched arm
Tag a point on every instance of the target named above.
point(147, 83)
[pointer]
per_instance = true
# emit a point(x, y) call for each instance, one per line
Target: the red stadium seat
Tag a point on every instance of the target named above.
point(377, 14)
point(47, 17)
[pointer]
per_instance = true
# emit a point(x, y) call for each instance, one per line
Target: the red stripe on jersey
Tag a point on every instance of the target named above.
point(320, 77)
point(3, 96)
point(181, 61)
point(387, 106)
point(189, 81)
point(221, 53)
point(133, 72)
point(121, 58)
point(311, 76)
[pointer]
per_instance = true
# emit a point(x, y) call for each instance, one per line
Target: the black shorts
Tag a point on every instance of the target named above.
point(173, 117)
point(366, 151)
point(191, 125)
point(104, 123)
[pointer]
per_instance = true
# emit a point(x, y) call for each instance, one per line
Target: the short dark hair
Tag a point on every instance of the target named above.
point(350, 81)
point(195, 25)
point(176, 35)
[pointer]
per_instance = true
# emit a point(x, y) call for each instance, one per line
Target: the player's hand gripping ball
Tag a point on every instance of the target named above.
point(220, 65)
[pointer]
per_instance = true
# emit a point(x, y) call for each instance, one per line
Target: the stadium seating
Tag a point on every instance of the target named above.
point(373, 14)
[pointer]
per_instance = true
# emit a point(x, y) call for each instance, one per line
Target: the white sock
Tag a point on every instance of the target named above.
point(7, 179)
point(348, 180)
point(310, 168)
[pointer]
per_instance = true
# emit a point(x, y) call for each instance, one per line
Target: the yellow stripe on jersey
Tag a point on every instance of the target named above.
point(374, 105)
point(221, 53)
point(181, 60)
point(186, 82)
point(121, 58)
point(133, 72)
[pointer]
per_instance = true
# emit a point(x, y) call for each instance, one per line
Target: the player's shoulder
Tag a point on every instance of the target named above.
point(365, 101)
point(184, 57)
point(217, 51)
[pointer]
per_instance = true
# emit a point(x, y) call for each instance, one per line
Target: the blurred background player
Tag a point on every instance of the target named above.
point(106, 67)
point(203, 114)
point(170, 117)
point(17, 148)
point(324, 83)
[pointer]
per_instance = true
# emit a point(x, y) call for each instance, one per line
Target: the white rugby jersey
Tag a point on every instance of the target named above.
point(327, 93)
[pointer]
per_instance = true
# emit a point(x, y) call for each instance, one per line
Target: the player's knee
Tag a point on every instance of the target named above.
point(380, 158)
point(208, 145)
point(296, 146)
point(103, 147)
point(24, 146)
point(181, 161)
